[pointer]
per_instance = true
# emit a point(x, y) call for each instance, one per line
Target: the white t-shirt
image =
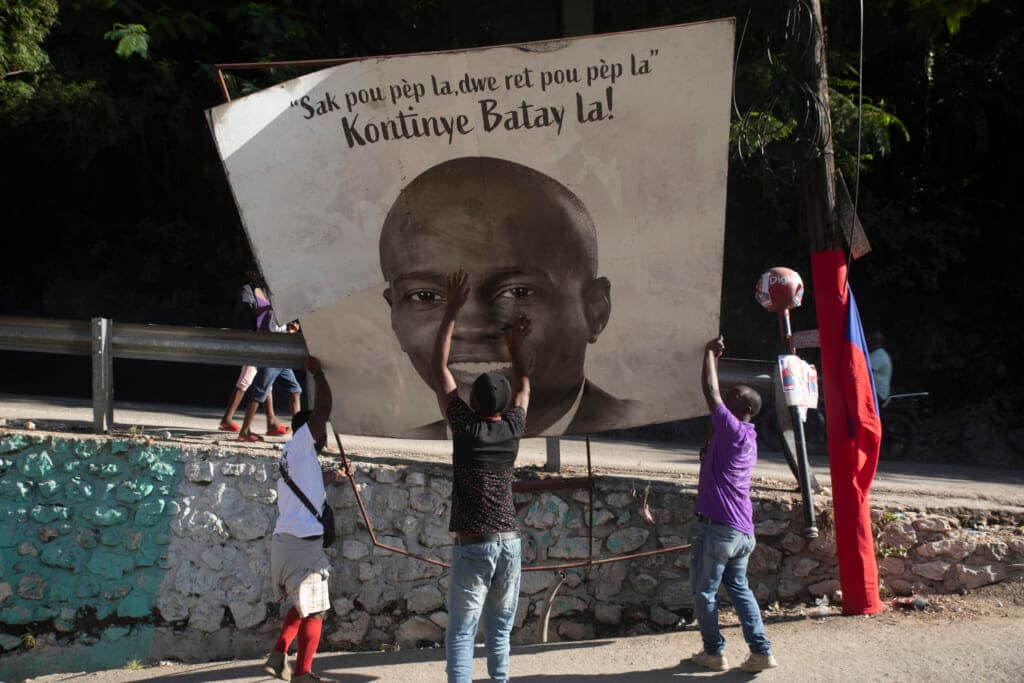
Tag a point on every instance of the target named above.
point(299, 459)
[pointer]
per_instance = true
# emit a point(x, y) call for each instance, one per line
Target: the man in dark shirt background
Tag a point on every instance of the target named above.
point(485, 572)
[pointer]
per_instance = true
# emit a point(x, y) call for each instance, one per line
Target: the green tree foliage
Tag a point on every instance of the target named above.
point(23, 26)
point(132, 39)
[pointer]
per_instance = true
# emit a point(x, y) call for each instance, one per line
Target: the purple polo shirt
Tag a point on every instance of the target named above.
point(724, 492)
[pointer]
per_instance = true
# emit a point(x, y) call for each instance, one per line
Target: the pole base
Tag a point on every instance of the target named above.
point(811, 532)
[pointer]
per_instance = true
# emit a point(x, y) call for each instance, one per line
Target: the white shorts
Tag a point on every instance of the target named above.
point(245, 377)
point(312, 596)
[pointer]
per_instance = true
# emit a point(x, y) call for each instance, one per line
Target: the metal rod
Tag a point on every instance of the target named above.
point(415, 556)
point(553, 462)
point(786, 332)
point(245, 66)
point(366, 516)
point(607, 560)
point(233, 66)
point(549, 601)
point(590, 507)
point(102, 377)
point(223, 85)
point(810, 527)
point(569, 565)
point(799, 437)
point(355, 488)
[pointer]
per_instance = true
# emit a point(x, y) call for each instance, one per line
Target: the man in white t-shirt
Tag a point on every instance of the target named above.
point(298, 566)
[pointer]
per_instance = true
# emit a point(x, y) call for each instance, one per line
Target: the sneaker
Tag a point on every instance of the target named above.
point(709, 661)
point(277, 666)
point(756, 662)
point(311, 677)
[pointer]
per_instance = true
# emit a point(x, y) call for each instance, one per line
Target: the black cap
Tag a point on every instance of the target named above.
point(491, 393)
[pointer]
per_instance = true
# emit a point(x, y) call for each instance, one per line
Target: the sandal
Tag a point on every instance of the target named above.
point(228, 427)
point(279, 430)
point(250, 437)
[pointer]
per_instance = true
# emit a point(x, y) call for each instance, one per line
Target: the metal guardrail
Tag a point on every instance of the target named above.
point(104, 340)
point(756, 374)
point(155, 342)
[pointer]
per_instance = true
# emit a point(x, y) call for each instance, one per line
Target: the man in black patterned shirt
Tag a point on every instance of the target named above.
point(484, 581)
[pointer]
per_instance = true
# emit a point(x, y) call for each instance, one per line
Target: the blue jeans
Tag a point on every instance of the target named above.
point(718, 555)
point(265, 382)
point(484, 583)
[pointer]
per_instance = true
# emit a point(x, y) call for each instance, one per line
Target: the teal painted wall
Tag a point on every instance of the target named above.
point(84, 533)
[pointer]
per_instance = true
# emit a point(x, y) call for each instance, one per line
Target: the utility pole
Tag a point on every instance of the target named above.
point(852, 448)
point(817, 171)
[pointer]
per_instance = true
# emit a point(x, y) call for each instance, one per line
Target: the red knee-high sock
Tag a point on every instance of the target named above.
point(288, 631)
point(309, 639)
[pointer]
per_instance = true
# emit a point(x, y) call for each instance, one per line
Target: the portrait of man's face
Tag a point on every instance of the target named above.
point(529, 247)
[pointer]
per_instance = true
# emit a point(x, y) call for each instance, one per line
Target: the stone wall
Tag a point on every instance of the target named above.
point(165, 550)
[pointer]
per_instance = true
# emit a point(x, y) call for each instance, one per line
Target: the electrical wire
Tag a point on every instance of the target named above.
point(736, 64)
point(860, 117)
point(813, 130)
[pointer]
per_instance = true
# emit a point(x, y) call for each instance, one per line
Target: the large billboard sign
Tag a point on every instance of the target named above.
point(580, 182)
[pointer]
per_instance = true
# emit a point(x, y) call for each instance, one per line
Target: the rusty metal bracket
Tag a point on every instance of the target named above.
point(549, 601)
point(256, 66)
point(366, 517)
point(541, 485)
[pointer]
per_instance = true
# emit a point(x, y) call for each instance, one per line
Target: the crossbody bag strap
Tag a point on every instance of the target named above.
point(300, 494)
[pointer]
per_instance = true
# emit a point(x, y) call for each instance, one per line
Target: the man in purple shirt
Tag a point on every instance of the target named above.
point(723, 537)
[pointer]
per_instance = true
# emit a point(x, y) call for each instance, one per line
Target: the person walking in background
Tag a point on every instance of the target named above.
point(486, 559)
point(247, 309)
point(299, 568)
point(723, 537)
point(881, 366)
point(266, 321)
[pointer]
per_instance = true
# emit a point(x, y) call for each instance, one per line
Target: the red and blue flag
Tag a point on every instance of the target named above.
point(854, 429)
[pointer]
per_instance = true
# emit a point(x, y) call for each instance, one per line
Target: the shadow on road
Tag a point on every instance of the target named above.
point(683, 670)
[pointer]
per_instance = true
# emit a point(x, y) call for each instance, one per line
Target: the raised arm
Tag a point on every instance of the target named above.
point(709, 375)
point(320, 415)
point(515, 334)
point(456, 294)
point(323, 402)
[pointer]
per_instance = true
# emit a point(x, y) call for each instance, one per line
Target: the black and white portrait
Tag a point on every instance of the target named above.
point(530, 248)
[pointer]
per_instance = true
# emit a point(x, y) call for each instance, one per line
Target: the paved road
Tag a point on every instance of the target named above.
point(889, 647)
point(900, 483)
